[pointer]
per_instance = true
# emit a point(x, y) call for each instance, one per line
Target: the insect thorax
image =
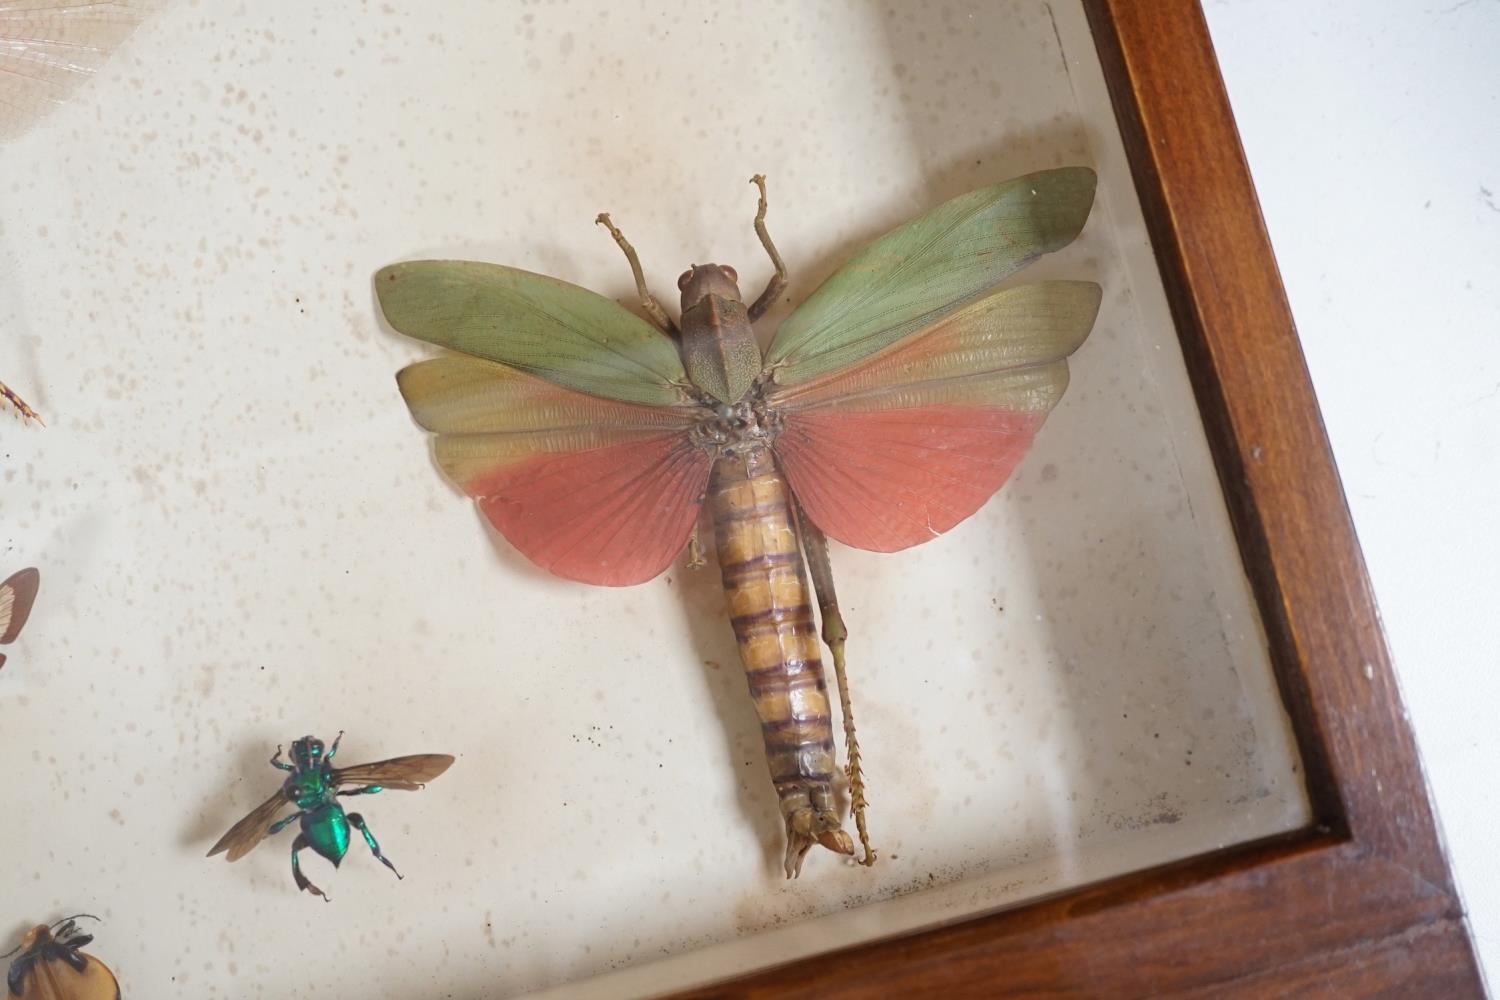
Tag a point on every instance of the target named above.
point(726, 429)
point(307, 788)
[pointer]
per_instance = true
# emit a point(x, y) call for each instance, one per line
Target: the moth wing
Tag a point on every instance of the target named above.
point(244, 835)
point(49, 47)
point(922, 270)
point(901, 447)
point(55, 979)
point(588, 488)
point(17, 594)
point(401, 773)
point(548, 328)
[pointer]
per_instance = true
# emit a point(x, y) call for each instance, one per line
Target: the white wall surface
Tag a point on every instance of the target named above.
point(1373, 133)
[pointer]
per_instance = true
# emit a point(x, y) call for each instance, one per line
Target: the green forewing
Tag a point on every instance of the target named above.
point(552, 329)
point(920, 271)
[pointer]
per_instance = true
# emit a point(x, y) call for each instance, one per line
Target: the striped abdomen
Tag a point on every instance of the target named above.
point(770, 607)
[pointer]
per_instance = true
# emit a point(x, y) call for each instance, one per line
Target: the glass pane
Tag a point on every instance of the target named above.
point(243, 538)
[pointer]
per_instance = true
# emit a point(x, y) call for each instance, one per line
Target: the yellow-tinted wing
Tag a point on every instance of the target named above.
point(244, 835)
point(406, 774)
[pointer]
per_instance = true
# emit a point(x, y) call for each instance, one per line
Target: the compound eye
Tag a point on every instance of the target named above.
point(730, 273)
point(682, 282)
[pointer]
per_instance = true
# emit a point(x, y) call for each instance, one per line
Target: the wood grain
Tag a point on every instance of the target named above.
point(1361, 904)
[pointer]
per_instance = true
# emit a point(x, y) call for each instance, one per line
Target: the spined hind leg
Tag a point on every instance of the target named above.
point(358, 822)
point(302, 882)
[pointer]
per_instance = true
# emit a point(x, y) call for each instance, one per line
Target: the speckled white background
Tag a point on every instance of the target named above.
point(242, 537)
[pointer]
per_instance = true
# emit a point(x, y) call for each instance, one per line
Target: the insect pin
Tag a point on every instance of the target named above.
point(313, 786)
point(51, 966)
point(17, 594)
point(888, 407)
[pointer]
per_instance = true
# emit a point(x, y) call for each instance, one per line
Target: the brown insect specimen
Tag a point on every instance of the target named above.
point(51, 966)
point(16, 597)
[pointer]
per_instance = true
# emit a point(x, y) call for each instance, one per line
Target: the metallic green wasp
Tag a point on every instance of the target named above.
point(313, 787)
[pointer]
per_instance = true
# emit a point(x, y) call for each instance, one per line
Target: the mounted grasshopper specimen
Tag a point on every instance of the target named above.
point(889, 406)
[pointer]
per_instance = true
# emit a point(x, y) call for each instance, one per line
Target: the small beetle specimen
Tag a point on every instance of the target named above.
point(16, 596)
point(313, 787)
point(51, 966)
point(889, 406)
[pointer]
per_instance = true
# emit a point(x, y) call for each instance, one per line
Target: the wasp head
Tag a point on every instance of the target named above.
point(307, 752)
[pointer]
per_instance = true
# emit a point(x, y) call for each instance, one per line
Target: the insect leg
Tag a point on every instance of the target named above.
point(302, 882)
point(365, 790)
point(815, 544)
point(277, 763)
point(335, 748)
point(9, 396)
point(648, 301)
point(778, 280)
point(282, 824)
point(358, 822)
point(695, 558)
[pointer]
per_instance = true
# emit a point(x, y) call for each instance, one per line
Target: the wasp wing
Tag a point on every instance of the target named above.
point(49, 47)
point(899, 448)
point(17, 594)
point(405, 774)
point(244, 835)
point(915, 274)
point(589, 488)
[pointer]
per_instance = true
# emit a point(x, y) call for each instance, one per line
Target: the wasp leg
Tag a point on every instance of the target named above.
point(366, 790)
point(277, 762)
point(302, 882)
point(282, 824)
point(778, 280)
point(358, 822)
point(335, 748)
point(648, 301)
